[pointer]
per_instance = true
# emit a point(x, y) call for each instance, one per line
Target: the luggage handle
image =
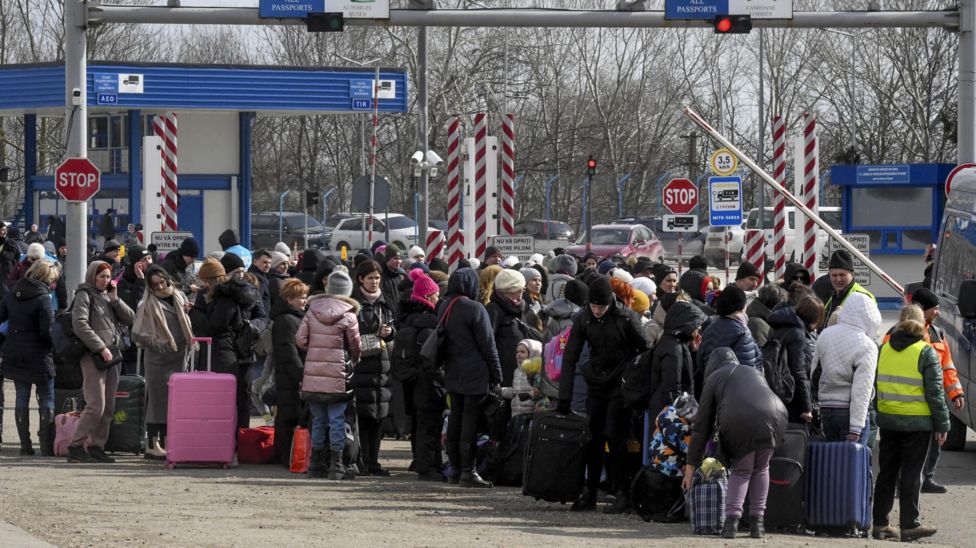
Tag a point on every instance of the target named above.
point(209, 342)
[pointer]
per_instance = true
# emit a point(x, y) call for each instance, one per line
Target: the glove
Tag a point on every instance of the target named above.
point(564, 407)
point(495, 389)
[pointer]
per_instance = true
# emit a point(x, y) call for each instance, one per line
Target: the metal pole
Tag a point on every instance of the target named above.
point(853, 109)
point(422, 131)
point(75, 70)
point(325, 206)
point(966, 116)
point(549, 184)
point(416, 213)
point(798, 204)
point(281, 213)
point(587, 211)
point(305, 211)
point(372, 175)
point(761, 198)
point(620, 194)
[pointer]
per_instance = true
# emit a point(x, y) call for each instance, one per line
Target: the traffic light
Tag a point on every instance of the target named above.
point(325, 22)
point(311, 198)
point(591, 167)
point(732, 24)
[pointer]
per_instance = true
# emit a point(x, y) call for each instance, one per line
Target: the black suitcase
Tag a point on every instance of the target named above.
point(128, 431)
point(555, 457)
point(784, 501)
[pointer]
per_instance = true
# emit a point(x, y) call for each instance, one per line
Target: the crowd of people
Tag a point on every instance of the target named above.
point(340, 346)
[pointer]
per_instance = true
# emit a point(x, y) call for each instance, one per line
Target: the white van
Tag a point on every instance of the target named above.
point(831, 214)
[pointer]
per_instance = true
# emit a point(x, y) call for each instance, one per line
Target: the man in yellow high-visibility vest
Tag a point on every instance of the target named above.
point(841, 272)
point(911, 410)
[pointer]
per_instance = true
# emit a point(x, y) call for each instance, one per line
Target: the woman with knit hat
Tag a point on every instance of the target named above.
point(533, 294)
point(506, 308)
point(422, 400)
point(277, 275)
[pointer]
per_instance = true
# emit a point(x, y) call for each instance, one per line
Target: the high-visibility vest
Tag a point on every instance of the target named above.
point(901, 387)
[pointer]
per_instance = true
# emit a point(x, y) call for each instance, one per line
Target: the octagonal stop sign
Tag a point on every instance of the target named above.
point(680, 196)
point(77, 179)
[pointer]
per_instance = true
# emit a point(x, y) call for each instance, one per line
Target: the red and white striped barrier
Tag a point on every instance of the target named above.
point(480, 184)
point(779, 201)
point(455, 238)
point(755, 250)
point(507, 195)
point(434, 246)
point(811, 172)
point(164, 126)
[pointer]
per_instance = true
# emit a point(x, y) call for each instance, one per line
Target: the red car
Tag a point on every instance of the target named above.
point(623, 240)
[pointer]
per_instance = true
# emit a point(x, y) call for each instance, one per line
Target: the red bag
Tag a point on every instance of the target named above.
point(301, 450)
point(255, 445)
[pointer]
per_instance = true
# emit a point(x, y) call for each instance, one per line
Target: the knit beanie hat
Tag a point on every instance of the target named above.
point(439, 265)
point(50, 247)
point(421, 266)
point(661, 271)
point(35, 251)
point(277, 258)
point(231, 262)
point(600, 292)
point(491, 251)
point(606, 265)
point(533, 346)
point(535, 258)
point(576, 292)
point(110, 245)
point(922, 297)
point(530, 274)
point(623, 275)
point(746, 270)
point(423, 285)
point(645, 285)
point(391, 251)
point(565, 264)
point(640, 302)
point(211, 268)
point(416, 253)
point(510, 262)
point(339, 284)
point(841, 259)
point(376, 245)
point(731, 300)
point(509, 281)
point(282, 247)
point(473, 263)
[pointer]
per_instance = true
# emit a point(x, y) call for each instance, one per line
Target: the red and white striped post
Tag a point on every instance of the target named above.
point(164, 126)
point(480, 184)
point(455, 238)
point(779, 201)
point(507, 216)
point(435, 245)
point(754, 242)
point(811, 171)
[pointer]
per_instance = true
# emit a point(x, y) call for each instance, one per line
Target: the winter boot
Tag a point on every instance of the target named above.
point(1, 421)
point(454, 458)
point(757, 527)
point(153, 449)
point(22, 418)
point(336, 470)
point(621, 504)
point(316, 464)
point(585, 502)
point(46, 433)
point(730, 527)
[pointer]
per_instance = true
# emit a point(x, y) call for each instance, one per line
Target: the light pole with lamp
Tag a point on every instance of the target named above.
point(281, 214)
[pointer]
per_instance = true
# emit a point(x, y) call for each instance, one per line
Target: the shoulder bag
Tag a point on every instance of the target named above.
point(431, 350)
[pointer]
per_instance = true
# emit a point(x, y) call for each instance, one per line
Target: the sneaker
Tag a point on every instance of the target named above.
point(268, 419)
point(77, 454)
point(98, 455)
point(885, 532)
point(917, 532)
point(930, 486)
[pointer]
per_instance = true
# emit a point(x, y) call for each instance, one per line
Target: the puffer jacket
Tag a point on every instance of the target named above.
point(750, 416)
point(471, 361)
point(560, 314)
point(372, 384)
point(672, 366)
point(522, 386)
point(847, 358)
point(27, 352)
point(95, 319)
point(730, 332)
point(288, 361)
point(389, 284)
point(329, 334)
point(800, 344)
point(234, 302)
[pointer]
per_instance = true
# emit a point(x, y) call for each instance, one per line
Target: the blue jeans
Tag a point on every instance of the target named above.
point(331, 416)
point(837, 424)
point(45, 394)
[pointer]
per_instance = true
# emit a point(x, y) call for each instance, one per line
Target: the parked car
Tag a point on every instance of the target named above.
point(714, 249)
point(330, 223)
point(623, 240)
point(264, 230)
point(693, 243)
point(349, 232)
point(559, 234)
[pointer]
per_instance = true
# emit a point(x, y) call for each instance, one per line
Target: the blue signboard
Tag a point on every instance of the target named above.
point(106, 83)
point(695, 9)
point(290, 8)
point(106, 99)
point(725, 201)
point(361, 89)
point(362, 104)
point(897, 174)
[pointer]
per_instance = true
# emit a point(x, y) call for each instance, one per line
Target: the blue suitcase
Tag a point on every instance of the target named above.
point(838, 487)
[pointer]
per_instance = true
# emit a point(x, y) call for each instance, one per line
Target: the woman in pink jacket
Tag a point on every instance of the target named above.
point(329, 332)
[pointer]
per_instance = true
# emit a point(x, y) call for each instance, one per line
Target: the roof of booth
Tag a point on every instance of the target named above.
point(159, 87)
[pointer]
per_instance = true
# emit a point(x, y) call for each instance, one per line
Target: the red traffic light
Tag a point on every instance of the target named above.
point(732, 24)
point(591, 164)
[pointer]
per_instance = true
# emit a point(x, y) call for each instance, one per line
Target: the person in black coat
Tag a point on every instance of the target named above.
point(728, 330)
point(506, 309)
point(672, 364)
point(422, 398)
point(287, 313)
point(752, 423)
point(471, 369)
point(277, 275)
point(310, 263)
point(132, 286)
point(795, 327)
point(391, 275)
point(615, 336)
point(27, 352)
point(260, 266)
point(695, 283)
point(371, 382)
point(178, 264)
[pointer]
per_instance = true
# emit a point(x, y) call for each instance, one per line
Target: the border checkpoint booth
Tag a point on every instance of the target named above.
point(215, 105)
point(899, 207)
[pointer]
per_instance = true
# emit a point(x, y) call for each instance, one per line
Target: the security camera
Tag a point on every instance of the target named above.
point(417, 158)
point(76, 97)
point(433, 159)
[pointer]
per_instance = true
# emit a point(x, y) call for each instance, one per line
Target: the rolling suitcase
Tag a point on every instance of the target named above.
point(201, 415)
point(838, 487)
point(127, 433)
point(784, 500)
point(555, 457)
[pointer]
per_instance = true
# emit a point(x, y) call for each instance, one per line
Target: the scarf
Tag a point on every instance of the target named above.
point(150, 329)
point(370, 297)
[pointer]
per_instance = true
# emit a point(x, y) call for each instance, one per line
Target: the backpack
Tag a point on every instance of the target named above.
point(406, 349)
point(776, 368)
point(553, 353)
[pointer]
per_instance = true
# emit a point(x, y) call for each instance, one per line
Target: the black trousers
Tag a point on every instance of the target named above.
point(425, 409)
point(369, 443)
point(900, 454)
point(609, 425)
point(243, 397)
point(462, 430)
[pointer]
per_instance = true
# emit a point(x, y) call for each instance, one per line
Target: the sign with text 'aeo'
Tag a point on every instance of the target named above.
point(680, 196)
point(77, 179)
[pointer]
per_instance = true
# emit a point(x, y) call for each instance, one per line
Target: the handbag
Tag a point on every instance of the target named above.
point(431, 350)
point(67, 345)
point(370, 345)
point(101, 364)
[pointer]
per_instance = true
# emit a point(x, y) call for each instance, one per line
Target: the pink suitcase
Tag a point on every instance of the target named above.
point(201, 416)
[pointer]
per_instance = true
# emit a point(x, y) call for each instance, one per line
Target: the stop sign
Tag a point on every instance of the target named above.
point(77, 179)
point(680, 196)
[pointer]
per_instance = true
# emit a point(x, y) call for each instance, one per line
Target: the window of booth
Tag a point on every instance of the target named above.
point(882, 211)
point(108, 142)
